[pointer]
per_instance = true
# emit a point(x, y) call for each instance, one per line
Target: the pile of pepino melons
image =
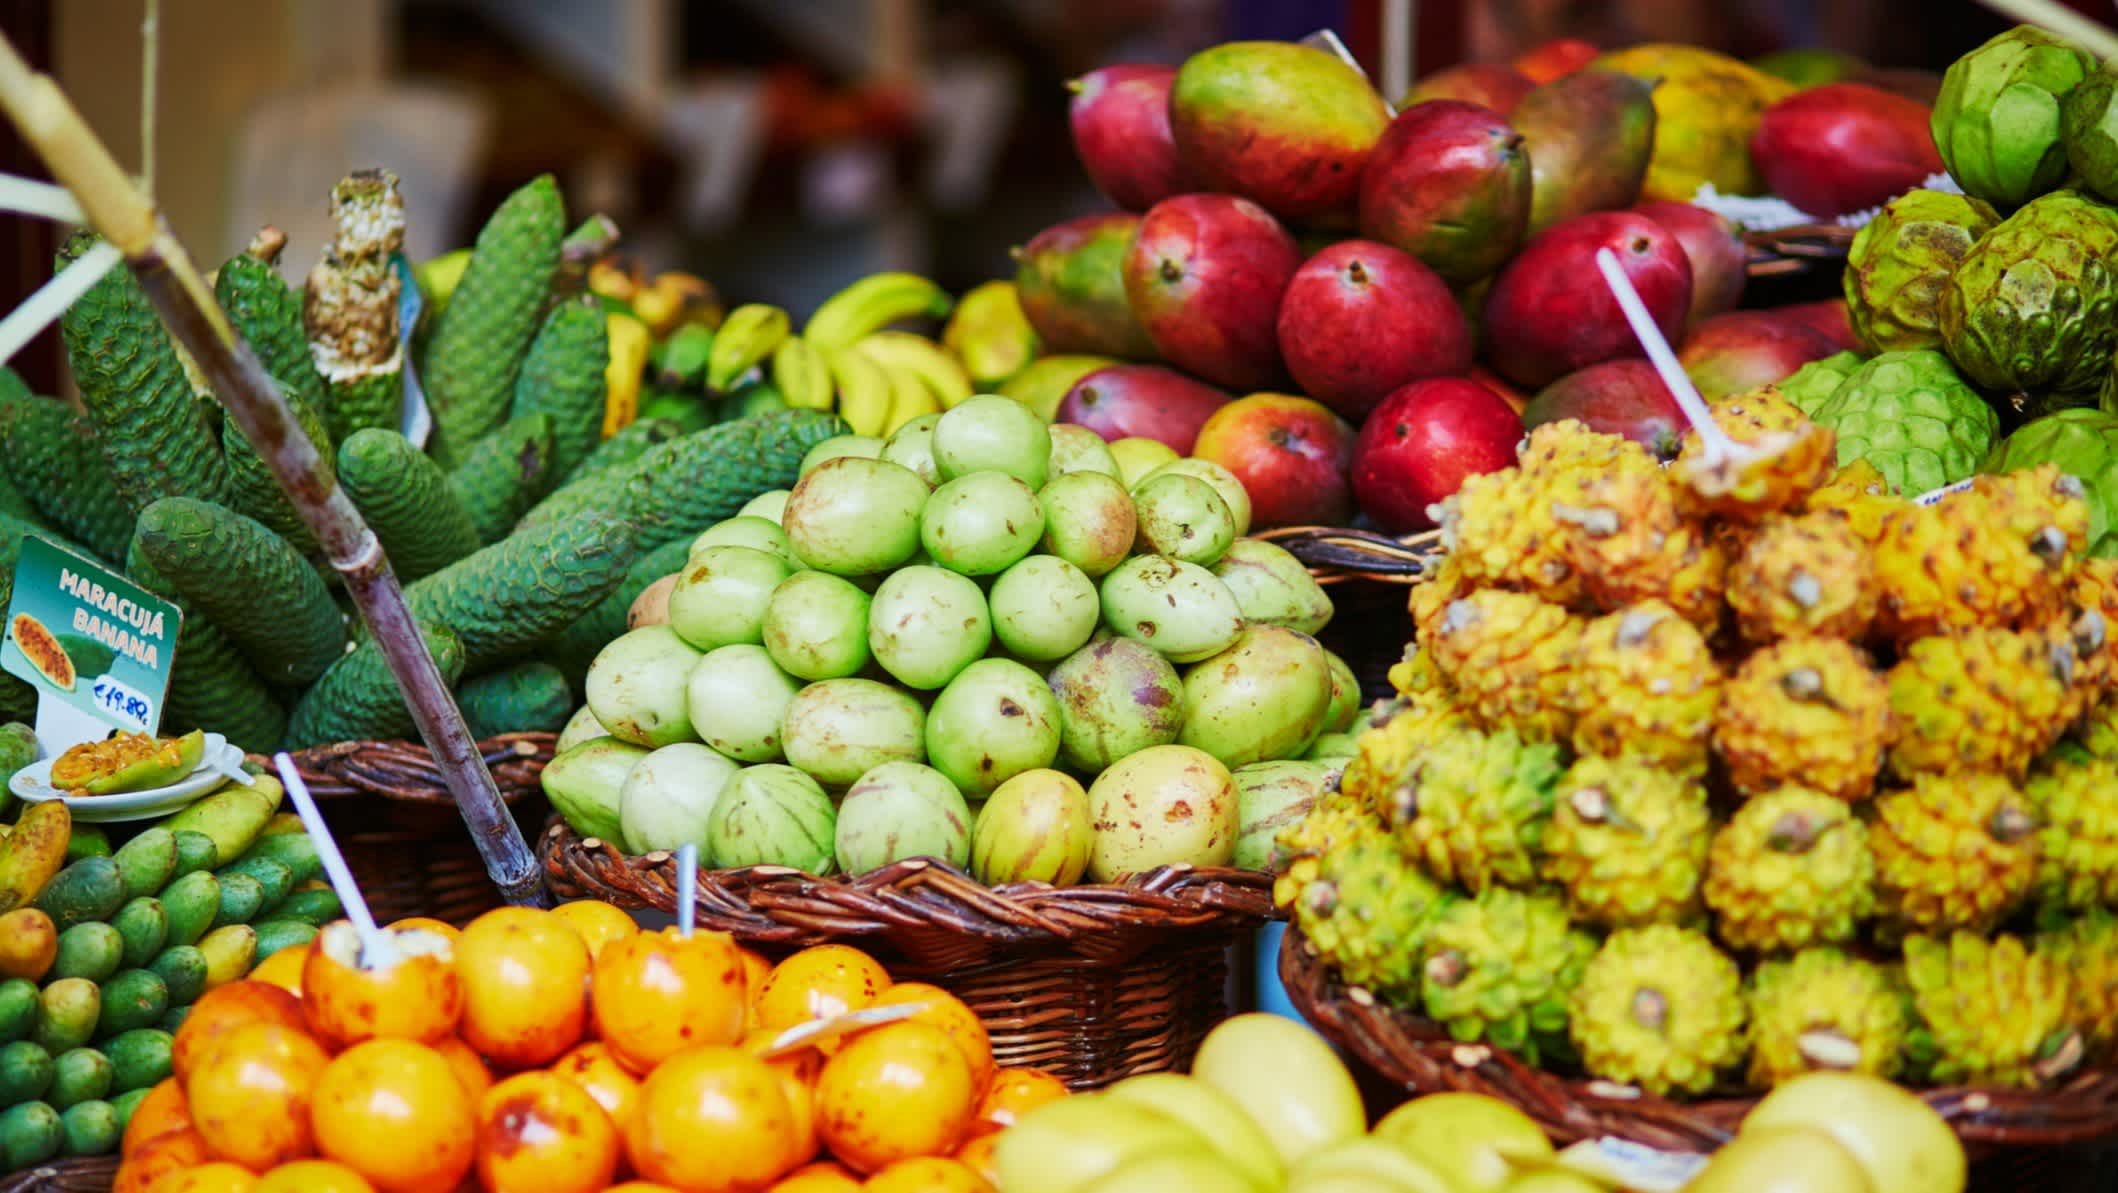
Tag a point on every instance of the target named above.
point(566, 1051)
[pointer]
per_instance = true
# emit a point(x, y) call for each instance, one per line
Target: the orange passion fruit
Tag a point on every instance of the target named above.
point(424, 923)
point(395, 1112)
point(159, 1157)
point(819, 983)
point(222, 1010)
point(525, 986)
point(313, 1176)
point(656, 994)
point(413, 995)
point(892, 1093)
point(250, 1097)
point(469, 1066)
point(599, 923)
point(824, 1176)
point(284, 968)
point(928, 1174)
point(1014, 1093)
point(162, 1112)
point(797, 1071)
point(216, 1177)
point(976, 1154)
point(711, 1120)
point(540, 1133)
point(592, 1067)
point(944, 1010)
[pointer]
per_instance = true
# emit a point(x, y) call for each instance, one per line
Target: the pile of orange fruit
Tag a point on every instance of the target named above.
point(570, 1051)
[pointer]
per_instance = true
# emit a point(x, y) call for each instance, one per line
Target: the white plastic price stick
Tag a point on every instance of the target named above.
point(1717, 443)
point(804, 1035)
point(376, 948)
point(687, 888)
point(1329, 40)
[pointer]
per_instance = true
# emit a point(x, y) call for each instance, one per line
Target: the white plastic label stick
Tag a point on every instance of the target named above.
point(687, 888)
point(1718, 445)
point(376, 949)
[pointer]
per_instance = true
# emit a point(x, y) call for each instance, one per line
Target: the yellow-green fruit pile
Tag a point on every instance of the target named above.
point(1708, 775)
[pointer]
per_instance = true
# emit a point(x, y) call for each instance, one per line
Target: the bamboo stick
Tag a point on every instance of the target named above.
point(116, 208)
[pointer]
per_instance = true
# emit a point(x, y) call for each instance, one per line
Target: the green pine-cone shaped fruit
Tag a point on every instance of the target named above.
point(2084, 444)
point(2086, 949)
point(1952, 852)
point(1499, 968)
point(1790, 869)
point(1912, 416)
point(2033, 307)
point(1825, 1009)
point(1991, 1012)
point(1661, 1008)
point(1813, 384)
point(1900, 262)
point(1997, 120)
point(2089, 124)
point(1472, 808)
point(1368, 913)
point(1628, 842)
point(2076, 809)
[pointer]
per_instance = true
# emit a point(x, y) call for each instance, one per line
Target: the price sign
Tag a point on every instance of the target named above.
point(95, 645)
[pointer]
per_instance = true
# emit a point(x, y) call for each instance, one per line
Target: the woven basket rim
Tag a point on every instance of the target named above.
point(405, 772)
point(1417, 1053)
point(784, 905)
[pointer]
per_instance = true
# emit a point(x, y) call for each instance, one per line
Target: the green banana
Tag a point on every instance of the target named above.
point(748, 336)
point(679, 360)
point(871, 304)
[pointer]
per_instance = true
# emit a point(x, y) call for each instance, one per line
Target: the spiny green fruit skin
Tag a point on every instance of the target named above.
point(1991, 1012)
point(1473, 807)
point(233, 571)
point(1901, 260)
point(1368, 914)
point(1790, 869)
point(1659, 1007)
point(1860, 1010)
point(470, 366)
point(51, 456)
point(211, 685)
point(268, 313)
point(2077, 817)
point(680, 488)
point(1813, 384)
point(599, 481)
point(2033, 307)
point(513, 595)
point(2089, 119)
point(1500, 967)
point(1912, 415)
point(157, 437)
point(407, 502)
point(2086, 949)
point(357, 698)
point(524, 698)
point(1997, 119)
point(1628, 842)
point(2084, 443)
point(575, 647)
point(504, 474)
point(563, 376)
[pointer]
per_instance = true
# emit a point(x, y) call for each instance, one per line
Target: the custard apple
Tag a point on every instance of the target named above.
point(1901, 260)
point(2084, 444)
point(2089, 119)
point(1912, 416)
point(1997, 119)
point(1813, 384)
point(2032, 310)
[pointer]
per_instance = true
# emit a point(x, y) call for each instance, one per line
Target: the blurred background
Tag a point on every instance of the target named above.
point(778, 147)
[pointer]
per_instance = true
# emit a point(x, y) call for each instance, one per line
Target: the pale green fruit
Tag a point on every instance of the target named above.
point(1900, 1141)
point(1270, 796)
point(816, 626)
point(1116, 697)
point(636, 686)
point(1782, 1160)
point(901, 810)
point(1270, 585)
point(1033, 828)
point(1290, 1082)
point(1263, 697)
point(748, 530)
point(866, 447)
point(1363, 1156)
point(855, 516)
point(1178, 608)
point(668, 797)
point(1065, 1145)
point(583, 785)
point(1224, 1125)
point(982, 523)
point(1183, 518)
point(912, 446)
point(1333, 747)
point(840, 729)
point(926, 624)
point(1160, 1172)
point(1078, 449)
point(582, 726)
point(771, 815)
point(721, 595)
point(1481, 1142)
point(1345, 707)
point(1089, 521)
point(1138, 457)
point(1164, 806)
point(1043, 608)
point(769, 505)
point(1226, 483)
point(738, 698)
point(995, 720)
point(992, 434)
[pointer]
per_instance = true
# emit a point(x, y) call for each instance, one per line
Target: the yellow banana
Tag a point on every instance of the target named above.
point(748, 335)
point(673, 298)
point(864, 391)
point(924, 359)
point(629, 343)
point(990, 334)
point(801, 375)
point(870, 304)
point(910, 397)
point(615, 278)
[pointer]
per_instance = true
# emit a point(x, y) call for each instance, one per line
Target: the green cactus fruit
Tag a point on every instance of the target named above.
point(2089, 119)
point(1912, 416)
point(1900, 262)
point(1500, 967)
point(1997, 120)
point(1812, 385)
point(2084, 443)
point(2033, 307)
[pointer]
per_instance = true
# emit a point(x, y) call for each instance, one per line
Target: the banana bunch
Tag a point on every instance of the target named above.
point(661, 329)
point(847, 358)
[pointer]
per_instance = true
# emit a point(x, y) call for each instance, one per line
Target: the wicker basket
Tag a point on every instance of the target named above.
point(1797, 250)
point(1418, 1055)
point(1092, 983)
point(398, 827)
point(90, 1174)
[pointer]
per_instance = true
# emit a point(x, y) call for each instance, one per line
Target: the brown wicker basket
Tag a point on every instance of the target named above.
point(398, 827)
point(89, 1174)
point(1091, 983)
point(1418, 1055)
point(1798, 249)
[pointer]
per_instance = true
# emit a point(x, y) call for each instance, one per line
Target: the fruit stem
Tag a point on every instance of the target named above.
point(1718, 445)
